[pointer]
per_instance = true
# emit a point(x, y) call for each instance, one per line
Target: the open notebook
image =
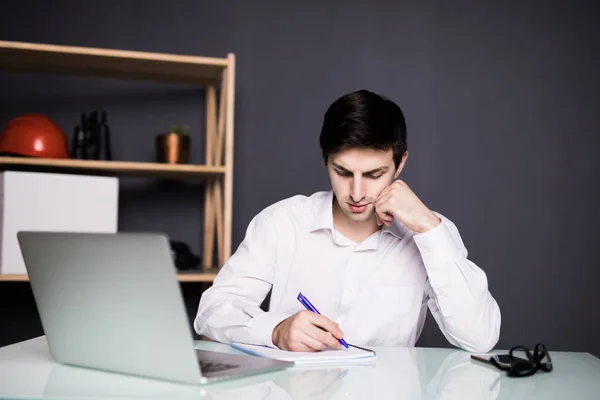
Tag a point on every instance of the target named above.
point(324, 356)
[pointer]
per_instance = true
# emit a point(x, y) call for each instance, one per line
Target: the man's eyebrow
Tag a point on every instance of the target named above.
point(373, 171)
point(340, 167)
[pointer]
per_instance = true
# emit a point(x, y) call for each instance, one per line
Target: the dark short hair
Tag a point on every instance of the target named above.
point(363, 119)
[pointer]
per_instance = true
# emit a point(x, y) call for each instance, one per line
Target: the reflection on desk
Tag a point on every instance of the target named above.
point(27, 371)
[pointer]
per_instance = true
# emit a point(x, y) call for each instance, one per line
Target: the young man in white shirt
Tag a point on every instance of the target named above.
point(368, 254)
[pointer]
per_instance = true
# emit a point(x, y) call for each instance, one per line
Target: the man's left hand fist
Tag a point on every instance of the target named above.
point(399, 201)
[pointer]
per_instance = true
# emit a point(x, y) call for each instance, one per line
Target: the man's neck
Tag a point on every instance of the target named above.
point(357, 231)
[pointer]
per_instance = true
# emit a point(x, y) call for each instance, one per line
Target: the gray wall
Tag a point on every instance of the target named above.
point(501, 102)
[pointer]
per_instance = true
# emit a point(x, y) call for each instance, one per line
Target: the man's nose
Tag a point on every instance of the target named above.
point(357, 191)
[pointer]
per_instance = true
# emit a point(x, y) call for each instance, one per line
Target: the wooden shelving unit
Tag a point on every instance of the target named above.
point(216, 74)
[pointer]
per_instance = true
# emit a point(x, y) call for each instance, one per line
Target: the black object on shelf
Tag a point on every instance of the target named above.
point(104, 149)
point(183, 258)
point(91, 139)
point(79, 150)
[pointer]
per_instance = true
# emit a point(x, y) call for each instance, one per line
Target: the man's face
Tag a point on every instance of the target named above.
point(358, 176)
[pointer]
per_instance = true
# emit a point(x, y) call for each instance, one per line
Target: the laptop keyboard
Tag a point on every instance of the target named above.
point(213, 366)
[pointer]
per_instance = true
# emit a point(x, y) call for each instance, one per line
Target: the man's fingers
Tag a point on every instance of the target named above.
point(384, 191)
point(326, 324)
point(381, 202)
point(299, 346)
point(385, 218)
point(311, 343)
point(306, 331)
point(331, 341)
point(383, 196)
point(299, 340)
point(381, 209)
point(382, 216)
point(385, 201)
point(309, 331)
point(323, 337)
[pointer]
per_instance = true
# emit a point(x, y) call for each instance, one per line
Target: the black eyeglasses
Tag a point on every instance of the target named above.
point(519, 367)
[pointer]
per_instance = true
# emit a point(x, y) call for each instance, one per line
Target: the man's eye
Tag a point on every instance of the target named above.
point(343, 173)
point(375, 176)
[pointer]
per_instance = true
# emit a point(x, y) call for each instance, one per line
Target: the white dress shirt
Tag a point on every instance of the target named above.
point(377, 290)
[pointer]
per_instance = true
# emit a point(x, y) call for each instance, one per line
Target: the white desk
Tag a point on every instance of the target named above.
point(28, 372)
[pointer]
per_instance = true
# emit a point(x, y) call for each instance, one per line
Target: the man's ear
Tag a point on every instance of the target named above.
point(401, 166)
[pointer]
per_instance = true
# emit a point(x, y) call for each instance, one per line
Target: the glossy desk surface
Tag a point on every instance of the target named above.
point(28, 372)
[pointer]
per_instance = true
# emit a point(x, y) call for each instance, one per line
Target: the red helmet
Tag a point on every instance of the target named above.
point(34, 135)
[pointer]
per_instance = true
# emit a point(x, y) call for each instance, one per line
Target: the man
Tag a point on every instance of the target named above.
point(368, 254)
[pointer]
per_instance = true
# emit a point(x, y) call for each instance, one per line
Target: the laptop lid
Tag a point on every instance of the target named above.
point(111, 302)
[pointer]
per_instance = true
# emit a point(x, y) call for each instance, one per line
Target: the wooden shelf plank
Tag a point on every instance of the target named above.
point(88, 61)
point(183, 277)
point(197, 277)
point(13, 278)
point(122, 168)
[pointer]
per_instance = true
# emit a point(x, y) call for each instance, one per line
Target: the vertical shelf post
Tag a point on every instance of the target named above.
point(209, 206)
point(228, 193)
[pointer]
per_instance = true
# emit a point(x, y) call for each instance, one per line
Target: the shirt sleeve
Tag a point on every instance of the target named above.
point(229, 311)
point(457, 290)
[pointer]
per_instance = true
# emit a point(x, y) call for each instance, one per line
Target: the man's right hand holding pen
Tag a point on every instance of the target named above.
point(307, 331)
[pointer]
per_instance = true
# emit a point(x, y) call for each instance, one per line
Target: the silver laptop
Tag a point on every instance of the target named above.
point(112, 302)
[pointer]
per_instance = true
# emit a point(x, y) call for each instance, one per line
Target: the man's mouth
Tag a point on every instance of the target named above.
point(358, 208)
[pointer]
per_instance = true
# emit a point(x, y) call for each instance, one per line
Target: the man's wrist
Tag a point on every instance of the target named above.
point(430, 222)
point(275, 334)
point(262, 327)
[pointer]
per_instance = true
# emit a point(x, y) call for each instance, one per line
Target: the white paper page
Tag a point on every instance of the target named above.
point(327, 355)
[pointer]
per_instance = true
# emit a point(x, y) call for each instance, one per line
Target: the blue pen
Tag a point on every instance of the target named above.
point(308, 305)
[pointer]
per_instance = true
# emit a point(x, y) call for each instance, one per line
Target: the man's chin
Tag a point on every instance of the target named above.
point(359, 217)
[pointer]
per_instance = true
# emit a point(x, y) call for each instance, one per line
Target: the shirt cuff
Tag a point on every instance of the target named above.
point(261, 329)
point(437, 245)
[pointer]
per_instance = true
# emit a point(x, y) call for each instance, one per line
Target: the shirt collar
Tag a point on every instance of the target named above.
point(324, 220)
point(324, 217)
